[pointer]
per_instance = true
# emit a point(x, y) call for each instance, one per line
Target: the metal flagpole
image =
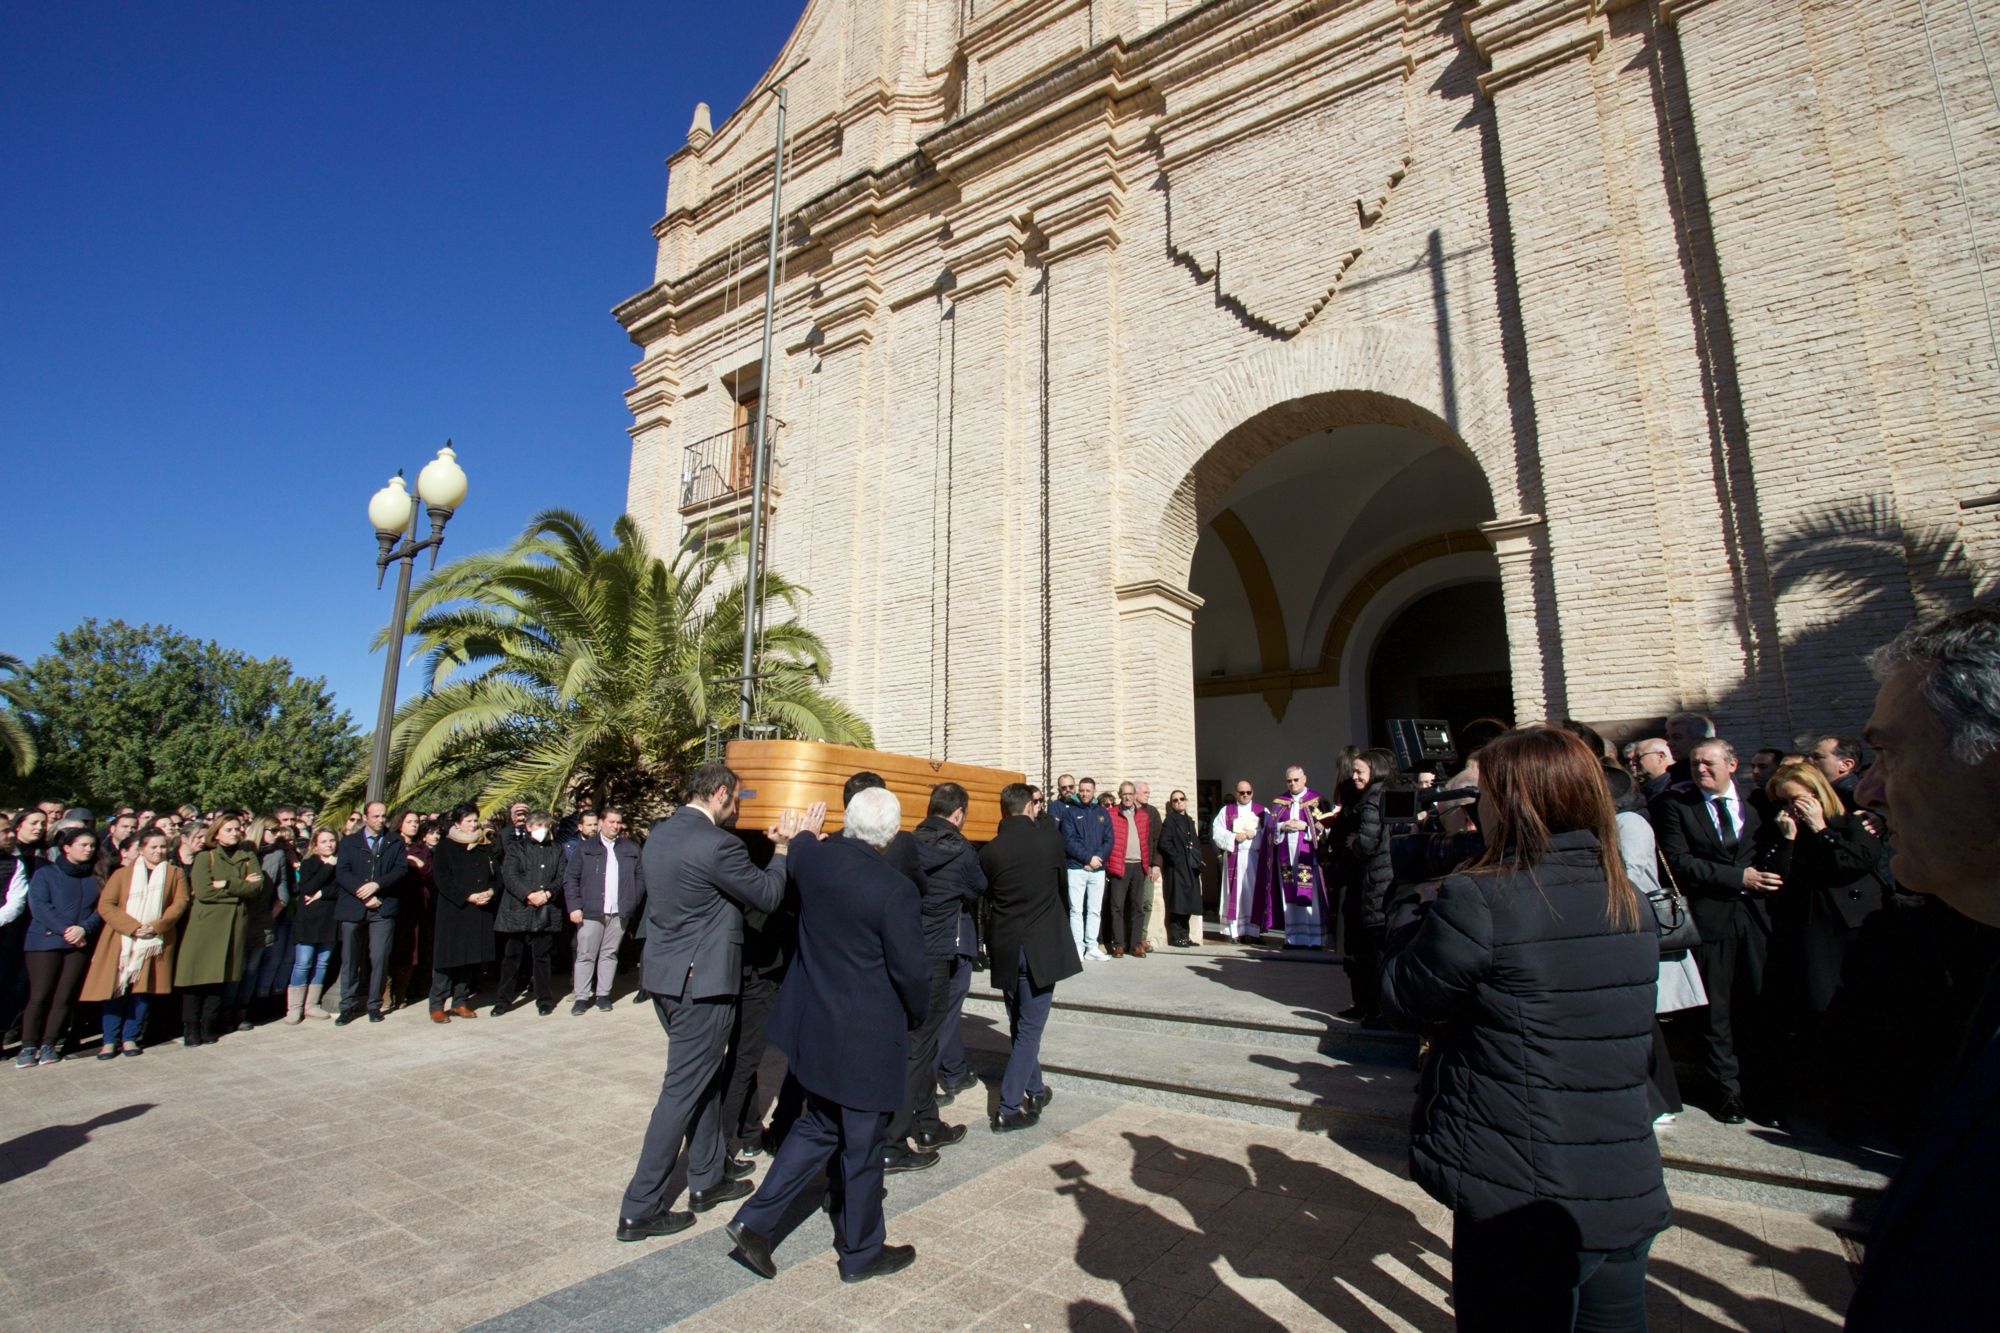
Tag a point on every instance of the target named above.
point(753, 572)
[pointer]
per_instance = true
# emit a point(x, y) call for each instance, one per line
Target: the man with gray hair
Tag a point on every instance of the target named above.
point(859, 984)
point(1935, 731)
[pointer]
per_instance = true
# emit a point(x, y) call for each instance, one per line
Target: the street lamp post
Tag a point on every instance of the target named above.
point(393, 513)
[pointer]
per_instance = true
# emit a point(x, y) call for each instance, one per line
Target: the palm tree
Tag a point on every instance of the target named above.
point(16, 743)
point(559, 666)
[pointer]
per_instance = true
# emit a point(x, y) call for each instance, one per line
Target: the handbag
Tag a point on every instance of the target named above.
point(1678, 933)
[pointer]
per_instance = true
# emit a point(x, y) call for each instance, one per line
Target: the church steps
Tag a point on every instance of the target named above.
point(1328, 1037)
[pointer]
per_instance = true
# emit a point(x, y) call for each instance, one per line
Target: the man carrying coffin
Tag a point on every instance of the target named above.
point(1293, 829)
point(1239, 834)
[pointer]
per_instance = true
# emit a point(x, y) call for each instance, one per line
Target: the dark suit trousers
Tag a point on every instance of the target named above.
point(1732, 969)
point(1124, 901)
point(951, 1041)
point(740, 1115)
point(372, 940)
point(825, 1129)
point(1027, 1014)
point(690, 1106)
point(920, 1113)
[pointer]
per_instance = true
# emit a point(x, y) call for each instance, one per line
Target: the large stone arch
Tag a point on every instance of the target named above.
point(1384, 374)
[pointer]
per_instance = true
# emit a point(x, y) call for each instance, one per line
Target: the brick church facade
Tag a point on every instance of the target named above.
point(1174, 390)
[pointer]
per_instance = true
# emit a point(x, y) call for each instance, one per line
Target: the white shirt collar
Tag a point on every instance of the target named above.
point(696, 805)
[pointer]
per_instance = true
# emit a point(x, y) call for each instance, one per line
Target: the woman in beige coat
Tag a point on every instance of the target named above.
point(142, 905)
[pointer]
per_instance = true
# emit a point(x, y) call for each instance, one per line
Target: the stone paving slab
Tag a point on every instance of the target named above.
point(405, 1176)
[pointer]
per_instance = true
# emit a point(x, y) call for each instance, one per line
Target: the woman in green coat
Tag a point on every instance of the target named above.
point(225, 880)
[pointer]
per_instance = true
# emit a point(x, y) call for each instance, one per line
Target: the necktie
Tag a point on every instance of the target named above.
point(1725, 823)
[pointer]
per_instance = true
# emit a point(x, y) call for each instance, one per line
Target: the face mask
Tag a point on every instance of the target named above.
point(538, 834)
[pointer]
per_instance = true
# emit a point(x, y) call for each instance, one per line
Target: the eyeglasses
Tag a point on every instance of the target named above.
point(1243, 791)
point(1065, 786)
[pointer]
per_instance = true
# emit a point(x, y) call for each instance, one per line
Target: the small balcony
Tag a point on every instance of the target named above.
point(717, 473)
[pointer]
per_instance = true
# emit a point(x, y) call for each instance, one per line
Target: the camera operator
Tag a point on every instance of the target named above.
point(1448, 833)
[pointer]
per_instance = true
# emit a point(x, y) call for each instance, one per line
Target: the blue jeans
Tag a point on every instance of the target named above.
point(309, 964)
point(1027, 1015)
point(1523, 1269)
point(272, 967)
point(122, 1016)
point(951, 1041)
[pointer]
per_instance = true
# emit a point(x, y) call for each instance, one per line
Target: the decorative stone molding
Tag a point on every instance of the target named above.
point(1156, 597)
point(1516, 536)
point(1671, 11)
point(1521, 38)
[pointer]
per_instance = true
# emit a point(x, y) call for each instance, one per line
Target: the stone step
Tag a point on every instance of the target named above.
point(1326, 1036)
point(1278, 1074)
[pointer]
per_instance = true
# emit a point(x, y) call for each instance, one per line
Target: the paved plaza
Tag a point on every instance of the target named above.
point(402, 1176)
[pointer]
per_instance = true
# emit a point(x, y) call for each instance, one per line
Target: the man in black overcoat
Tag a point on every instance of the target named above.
point(699, 879)
point(368, 872)
point(1029, 943)
point(857, 986)
point(1708, 834)
point(1936, 780)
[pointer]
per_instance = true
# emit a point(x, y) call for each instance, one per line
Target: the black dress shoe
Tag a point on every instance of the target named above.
point(965, 1084)
point(735, 1168)
point(1730, 1112)
point(893, 1259)
point(755, 1249)
point(346, 1016)
point(1353, 1013)
point(1008, 1121)
point(659, 1224)
point(545, 1009)
point(944, 1138)
point(1765, 1116)
point(703, 1200)
point(374, 1015)
point(899, 1158)
point(500, 1008)
point(1042, 1098)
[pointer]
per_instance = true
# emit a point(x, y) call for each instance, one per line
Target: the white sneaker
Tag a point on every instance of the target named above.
point(1663, 1118)
point(1095, 955)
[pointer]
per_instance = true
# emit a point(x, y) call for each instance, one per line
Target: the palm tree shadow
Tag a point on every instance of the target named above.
point(28, 1153)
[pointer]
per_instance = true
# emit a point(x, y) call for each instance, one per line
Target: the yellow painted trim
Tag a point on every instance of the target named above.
point(1274, 649)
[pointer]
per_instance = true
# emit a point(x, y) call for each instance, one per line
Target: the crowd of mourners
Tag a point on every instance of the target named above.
point(250, 918)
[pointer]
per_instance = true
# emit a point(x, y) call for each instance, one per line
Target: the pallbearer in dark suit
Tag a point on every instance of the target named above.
point(699, 879)
point(860, 982)
point(1029, 945)
point(1708, 835)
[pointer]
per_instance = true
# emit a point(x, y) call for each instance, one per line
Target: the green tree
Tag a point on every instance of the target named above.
point(560, 666)
point(130, 714)
point(17, 743)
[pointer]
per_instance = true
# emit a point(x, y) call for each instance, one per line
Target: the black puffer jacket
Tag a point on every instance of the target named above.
point(953, 883)
point(1542, 1021)
point(1362, 839)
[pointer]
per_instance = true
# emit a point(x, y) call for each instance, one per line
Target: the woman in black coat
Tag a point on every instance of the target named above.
point(1533, 974)
point(1361, 841)
point(1180, 870)
point(529, 918)
point(314, 931)
point(1826, 858)
point(462, 939)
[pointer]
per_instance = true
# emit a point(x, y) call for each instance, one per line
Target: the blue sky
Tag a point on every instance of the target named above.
point(259, 256)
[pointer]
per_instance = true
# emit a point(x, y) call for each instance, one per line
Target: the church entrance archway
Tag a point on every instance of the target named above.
point(1318, 558)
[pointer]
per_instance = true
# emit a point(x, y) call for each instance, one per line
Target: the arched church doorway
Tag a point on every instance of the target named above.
point(1342, 548)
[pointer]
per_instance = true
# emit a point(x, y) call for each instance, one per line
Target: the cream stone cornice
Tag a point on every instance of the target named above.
point(1520, 38)
point(1672, 11)
point(1157, 597)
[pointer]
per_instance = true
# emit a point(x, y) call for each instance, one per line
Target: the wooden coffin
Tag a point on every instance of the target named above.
point(775, 776)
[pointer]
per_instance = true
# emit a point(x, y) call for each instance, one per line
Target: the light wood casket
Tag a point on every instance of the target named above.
point(775, 776)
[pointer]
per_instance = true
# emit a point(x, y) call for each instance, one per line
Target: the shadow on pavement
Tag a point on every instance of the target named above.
point(30, 1152)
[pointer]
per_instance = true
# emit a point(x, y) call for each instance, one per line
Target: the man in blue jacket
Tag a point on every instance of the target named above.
point(1086, 834)
point(859, 984)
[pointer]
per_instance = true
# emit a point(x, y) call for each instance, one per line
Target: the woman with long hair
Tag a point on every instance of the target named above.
point(314, 929)
point(261, 939)
point(142, 905)
point(462, 872)
point(410, 952)
point(225, 881)
point(62, 912)
point(1532, 972)
point(19, 860)
point(1361, 842)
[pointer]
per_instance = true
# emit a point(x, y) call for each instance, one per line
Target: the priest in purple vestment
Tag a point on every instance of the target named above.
point(1292, 834)
point(1240, 833)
